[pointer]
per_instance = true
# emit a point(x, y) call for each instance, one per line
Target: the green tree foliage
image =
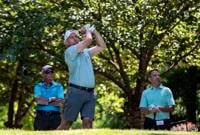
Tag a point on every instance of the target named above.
point(140, 35)
point(184, 83)
point(27, 35)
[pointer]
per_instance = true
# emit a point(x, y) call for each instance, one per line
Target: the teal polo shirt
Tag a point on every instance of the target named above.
point(54, 90)
point(158, 96)
point(80, 67)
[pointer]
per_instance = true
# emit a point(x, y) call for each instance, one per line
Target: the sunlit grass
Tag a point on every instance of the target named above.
point(94, 132)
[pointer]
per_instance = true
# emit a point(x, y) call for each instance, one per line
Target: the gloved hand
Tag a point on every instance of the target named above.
point(153, 108)
point(89, 27)
point(92, 28)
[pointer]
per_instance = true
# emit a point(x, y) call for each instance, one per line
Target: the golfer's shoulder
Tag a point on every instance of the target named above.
point(57, 84)
point(70, 49)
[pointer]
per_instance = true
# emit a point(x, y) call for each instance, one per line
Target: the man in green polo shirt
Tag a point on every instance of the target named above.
point(80, 96)
point(156, 103)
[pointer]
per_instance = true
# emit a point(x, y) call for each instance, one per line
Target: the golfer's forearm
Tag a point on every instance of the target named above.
point(145, 111)
point(85, 42)
point(88, 39)
point(57, 102)
point(166, 108)
point(42, 101)
point(99, 40)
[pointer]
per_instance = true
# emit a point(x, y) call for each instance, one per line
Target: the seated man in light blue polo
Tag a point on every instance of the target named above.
point(49, 97)
point(156, 103)
point(80, 97)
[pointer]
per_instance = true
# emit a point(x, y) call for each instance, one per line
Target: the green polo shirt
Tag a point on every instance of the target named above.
point(158, 96)
point(80, 67)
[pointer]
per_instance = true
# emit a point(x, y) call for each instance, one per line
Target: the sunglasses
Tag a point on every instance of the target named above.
point(48, 72)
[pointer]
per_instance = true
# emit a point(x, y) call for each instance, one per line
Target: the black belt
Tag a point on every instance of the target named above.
point(48, 112)
point(81, 87)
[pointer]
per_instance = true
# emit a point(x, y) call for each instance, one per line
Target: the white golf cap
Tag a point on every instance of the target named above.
point(67, 34)
point(46, 67)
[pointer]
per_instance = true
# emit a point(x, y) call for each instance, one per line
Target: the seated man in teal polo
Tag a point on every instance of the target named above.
point(49, 97)
point(156, 103)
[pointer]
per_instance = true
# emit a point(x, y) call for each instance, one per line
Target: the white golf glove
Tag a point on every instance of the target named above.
point(152, 106)
point(89, 27)
point(92, 28)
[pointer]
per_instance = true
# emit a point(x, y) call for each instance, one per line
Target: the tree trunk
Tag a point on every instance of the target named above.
point(138, 116)
point(133, 115)
point(23, 106)
point(20, 109)
point(13, 94)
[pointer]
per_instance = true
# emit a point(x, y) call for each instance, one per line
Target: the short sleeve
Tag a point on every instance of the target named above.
point(89, 51)
point(70, 53)
point(170, 98)
point(37, 91)
point(143, 101)
point(60, 92)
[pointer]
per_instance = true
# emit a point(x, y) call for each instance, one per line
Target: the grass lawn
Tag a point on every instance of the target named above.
point(94, 132)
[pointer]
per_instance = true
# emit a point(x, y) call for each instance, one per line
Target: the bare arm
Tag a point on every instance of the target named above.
point(100, 44)
point(45, 101)
point(146, 110)
point(166, 108)
point(42, 101)
point(85, 42)
point(57, 102)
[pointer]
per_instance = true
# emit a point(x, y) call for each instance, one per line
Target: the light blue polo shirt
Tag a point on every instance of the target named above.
point(80, 67)
point(159, 96)
point(55, 90)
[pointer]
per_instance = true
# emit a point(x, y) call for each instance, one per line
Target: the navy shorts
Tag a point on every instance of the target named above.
point(151, 124)
point(78, 100)
point(47, 120)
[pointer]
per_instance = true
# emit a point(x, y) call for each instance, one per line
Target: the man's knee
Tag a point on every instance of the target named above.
point(87, 122)
point(64, 125)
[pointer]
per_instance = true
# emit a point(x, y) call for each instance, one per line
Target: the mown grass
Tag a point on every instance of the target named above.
point(94, 132)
